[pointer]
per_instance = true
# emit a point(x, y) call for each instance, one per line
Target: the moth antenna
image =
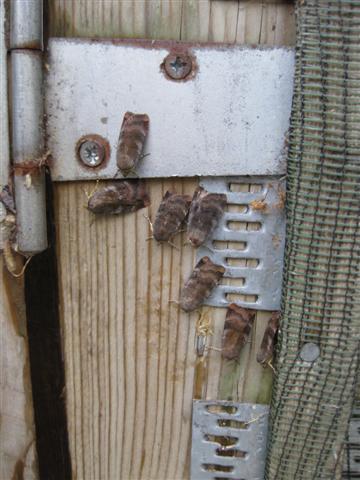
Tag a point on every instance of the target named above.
point(143, 155)
point(117, 173)
point(133, 172)
point(269, 363)
point(256, 419)
point(173, 245)
point(89, 195)
point(151, 225)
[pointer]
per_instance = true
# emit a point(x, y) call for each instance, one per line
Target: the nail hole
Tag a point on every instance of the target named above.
point(224, 441)
point(235, 225)
point(246, 187)
point(242, 262)
point(211, 467)
point(224, 452)
point(223, 422)
point(221, 409)
point(239, 297)
point(233, 282)
point(235, 208)
point(224, 245)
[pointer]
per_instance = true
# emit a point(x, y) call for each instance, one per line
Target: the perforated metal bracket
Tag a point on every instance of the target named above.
point(249, 242)
point(228, 440)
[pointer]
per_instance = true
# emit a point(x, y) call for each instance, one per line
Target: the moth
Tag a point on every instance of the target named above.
point(120, 197)
point(237, 328)
point(205, 213)
point(170, 216)
point(133, 133)
point(266, 351)
point(201, 283)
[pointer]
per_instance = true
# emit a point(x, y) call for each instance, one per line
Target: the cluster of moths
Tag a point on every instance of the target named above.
point(199, 215)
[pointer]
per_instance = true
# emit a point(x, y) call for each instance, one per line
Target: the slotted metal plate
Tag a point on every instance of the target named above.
point(222, 451)
point(263, 209)
point(229, 119)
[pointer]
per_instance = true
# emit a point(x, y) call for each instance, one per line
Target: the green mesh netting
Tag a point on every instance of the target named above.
point(312, 401)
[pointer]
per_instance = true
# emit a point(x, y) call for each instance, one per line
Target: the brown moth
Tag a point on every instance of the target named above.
point(133, 133)
point(266, 351)
point(170, 216)
point(199, 286)
point(120, 197)
point(237, 329)
point(205, 213)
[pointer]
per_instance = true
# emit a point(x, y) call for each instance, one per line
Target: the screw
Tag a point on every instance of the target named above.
point(92, 150)
point(178, 66)
point(91, 153)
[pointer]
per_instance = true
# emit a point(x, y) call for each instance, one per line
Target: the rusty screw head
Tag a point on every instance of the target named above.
point(178, 66)
point(91, 152)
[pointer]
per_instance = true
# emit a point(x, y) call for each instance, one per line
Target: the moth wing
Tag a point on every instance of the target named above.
point(167, 195)
point(126, 118)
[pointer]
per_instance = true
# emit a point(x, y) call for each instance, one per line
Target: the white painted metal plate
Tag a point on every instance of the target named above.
point(230, 119)
point(228, 440)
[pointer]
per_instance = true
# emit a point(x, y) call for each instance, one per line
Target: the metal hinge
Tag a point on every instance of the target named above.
point(27, 99)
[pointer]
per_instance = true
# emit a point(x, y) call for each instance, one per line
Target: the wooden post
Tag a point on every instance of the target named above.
point(129, 353)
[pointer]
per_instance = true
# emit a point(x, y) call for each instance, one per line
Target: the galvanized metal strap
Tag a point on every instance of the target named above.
point(261, 283)
point(228, 440)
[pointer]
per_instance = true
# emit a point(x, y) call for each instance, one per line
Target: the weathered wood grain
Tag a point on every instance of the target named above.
point(128, 349)
point(131, 369)
point(17, 430)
